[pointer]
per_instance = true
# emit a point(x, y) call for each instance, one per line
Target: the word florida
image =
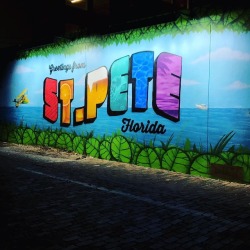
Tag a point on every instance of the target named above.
point(138, 70)
point(131, 126)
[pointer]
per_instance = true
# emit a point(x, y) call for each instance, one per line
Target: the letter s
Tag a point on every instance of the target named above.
point(50, 107)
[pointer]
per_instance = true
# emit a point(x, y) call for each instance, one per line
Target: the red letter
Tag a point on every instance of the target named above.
point(50, 107)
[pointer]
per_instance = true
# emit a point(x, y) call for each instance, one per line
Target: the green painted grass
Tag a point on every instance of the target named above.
point(188, 160)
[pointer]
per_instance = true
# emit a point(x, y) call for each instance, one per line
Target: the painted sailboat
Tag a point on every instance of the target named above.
point(201, 106)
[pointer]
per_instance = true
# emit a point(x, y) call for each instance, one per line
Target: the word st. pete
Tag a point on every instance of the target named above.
point(138, 70)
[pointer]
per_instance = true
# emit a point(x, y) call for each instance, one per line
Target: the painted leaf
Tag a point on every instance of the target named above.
point(29, 137)
point(109, 138)
point(105, 150)
point(53, 139)
point(160, 151)
point(227, 156)
point(120, 149)
point(78, 145)
point(243, 161)
point(148, 158)
point(176, 160)
point(135, 149)
point(18, 135)
point(181, 23)
point(201, 165)
point(192, 155)
point(43, 139)
point(215, 18)
point(92, 147)
point(64, 142)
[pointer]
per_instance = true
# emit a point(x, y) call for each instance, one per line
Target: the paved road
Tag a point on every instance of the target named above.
point(50, 202)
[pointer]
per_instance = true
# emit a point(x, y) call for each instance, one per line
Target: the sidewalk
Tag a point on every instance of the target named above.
point(57, 200)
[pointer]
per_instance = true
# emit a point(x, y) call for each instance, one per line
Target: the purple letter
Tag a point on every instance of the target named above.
point(167, 85)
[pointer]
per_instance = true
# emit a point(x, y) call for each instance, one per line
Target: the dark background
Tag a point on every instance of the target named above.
point(29, 23)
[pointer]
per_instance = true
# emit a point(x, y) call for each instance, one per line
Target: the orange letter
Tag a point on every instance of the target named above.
point(96, 91)
point(66, 95)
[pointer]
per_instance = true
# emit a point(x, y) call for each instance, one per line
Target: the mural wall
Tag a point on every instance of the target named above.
point(174, 96)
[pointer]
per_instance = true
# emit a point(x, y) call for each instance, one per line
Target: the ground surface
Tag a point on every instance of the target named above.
point(58, 153)
point(54, 200)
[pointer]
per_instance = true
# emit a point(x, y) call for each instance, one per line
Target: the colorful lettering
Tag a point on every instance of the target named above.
point(50, 107)
point(141, 73)
point(96, 93)
point(167, 85)
point(138, 70)
point(118, 89)
point(66, 95)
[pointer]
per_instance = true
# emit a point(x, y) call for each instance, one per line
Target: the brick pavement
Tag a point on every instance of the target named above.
point(68, 202)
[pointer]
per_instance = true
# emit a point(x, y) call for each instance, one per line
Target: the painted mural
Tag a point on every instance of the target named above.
point(174, 96)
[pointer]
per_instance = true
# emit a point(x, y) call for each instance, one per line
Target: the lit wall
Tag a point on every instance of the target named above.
point(172, 96)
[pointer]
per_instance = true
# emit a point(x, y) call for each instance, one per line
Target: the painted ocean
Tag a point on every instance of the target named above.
point(200, 127)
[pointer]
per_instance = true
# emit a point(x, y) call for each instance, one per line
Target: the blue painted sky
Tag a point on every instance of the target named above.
point(215, 69)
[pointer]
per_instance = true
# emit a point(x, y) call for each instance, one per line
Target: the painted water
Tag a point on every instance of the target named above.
point(200, 127)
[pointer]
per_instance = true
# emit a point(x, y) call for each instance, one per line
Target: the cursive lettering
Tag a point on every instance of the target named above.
point(66, 67)
point(152, 128)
